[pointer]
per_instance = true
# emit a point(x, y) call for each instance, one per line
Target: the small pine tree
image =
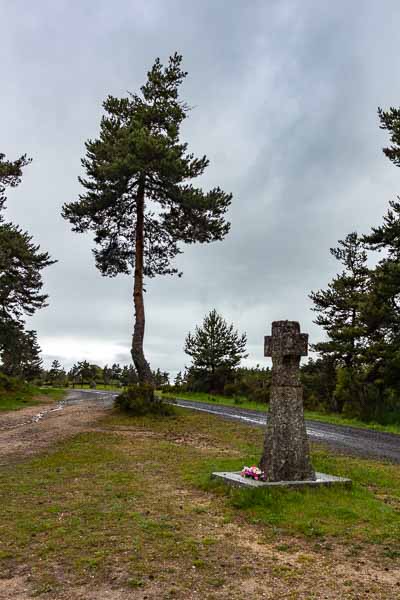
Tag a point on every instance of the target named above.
point(216, 349)
point(56, 373)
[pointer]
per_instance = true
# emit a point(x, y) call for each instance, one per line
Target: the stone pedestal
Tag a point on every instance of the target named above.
point(286, 451)
point(286, 455)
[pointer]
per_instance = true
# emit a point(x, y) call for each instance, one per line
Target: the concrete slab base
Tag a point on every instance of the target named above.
point(234, 478)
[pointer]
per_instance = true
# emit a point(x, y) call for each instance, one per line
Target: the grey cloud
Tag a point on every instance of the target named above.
point(284, 98)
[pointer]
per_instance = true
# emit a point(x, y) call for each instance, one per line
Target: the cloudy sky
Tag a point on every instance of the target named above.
point(285, 94)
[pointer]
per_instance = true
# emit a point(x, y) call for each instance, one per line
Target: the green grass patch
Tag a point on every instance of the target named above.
point(370, 511)
point(135, 498)
point(243, 402)
point(28, 395)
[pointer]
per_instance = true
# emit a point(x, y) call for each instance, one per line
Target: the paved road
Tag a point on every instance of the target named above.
point(351, 440)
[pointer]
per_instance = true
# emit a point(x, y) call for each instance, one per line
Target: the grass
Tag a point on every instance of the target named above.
point(133, 504)
point(243, 402)
point(360, 515)
point(28, 396)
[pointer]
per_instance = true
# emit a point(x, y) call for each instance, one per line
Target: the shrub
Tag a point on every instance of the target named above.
point(12, 384)
point(260, 395)
point(230, 389)
point(139, 400)
point(173, 389)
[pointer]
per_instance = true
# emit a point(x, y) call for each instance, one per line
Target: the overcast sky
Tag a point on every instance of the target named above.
point(285, 95)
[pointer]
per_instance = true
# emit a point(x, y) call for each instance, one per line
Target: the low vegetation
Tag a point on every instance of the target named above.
point(141, 400)
point(243, 402)
point(16, 394)
point(132, 505)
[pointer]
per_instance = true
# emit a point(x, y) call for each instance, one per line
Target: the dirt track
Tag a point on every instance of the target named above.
point(26, 432)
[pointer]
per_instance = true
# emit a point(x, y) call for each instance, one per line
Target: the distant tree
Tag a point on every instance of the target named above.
point(129, 375)
point(125, 375)
point(157, 377)
point(160, 378)
point(138, 198)
point(216, 349)
point(74, 374)
point(116, 372)
point(178, 379)
point(56, 366)
point(107, 375)
point(84, 372)
point(56, 373)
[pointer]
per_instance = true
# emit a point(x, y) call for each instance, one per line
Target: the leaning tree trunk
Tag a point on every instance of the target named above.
point(141, 364)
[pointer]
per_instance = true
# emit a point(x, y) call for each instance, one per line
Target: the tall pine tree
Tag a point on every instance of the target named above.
point(138, 198)
point(339, 307)
point(21, 263)
point(382, 308)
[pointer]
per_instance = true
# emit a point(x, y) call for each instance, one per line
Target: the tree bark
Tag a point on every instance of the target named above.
point(140, 362)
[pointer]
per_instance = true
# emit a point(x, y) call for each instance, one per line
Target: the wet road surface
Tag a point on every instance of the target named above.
point(351, 440)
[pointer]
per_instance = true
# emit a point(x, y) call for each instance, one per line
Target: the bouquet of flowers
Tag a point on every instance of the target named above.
point(253, 472)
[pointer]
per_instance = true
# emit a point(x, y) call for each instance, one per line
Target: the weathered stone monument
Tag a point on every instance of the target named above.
point(286, 455)
point(286, 458)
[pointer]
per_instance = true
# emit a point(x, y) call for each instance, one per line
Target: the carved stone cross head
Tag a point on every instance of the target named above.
point(286, 340)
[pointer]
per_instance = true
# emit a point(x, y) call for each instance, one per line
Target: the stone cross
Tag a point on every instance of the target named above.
point(286, 455)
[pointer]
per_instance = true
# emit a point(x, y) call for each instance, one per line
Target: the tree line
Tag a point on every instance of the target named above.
point(84, 373)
